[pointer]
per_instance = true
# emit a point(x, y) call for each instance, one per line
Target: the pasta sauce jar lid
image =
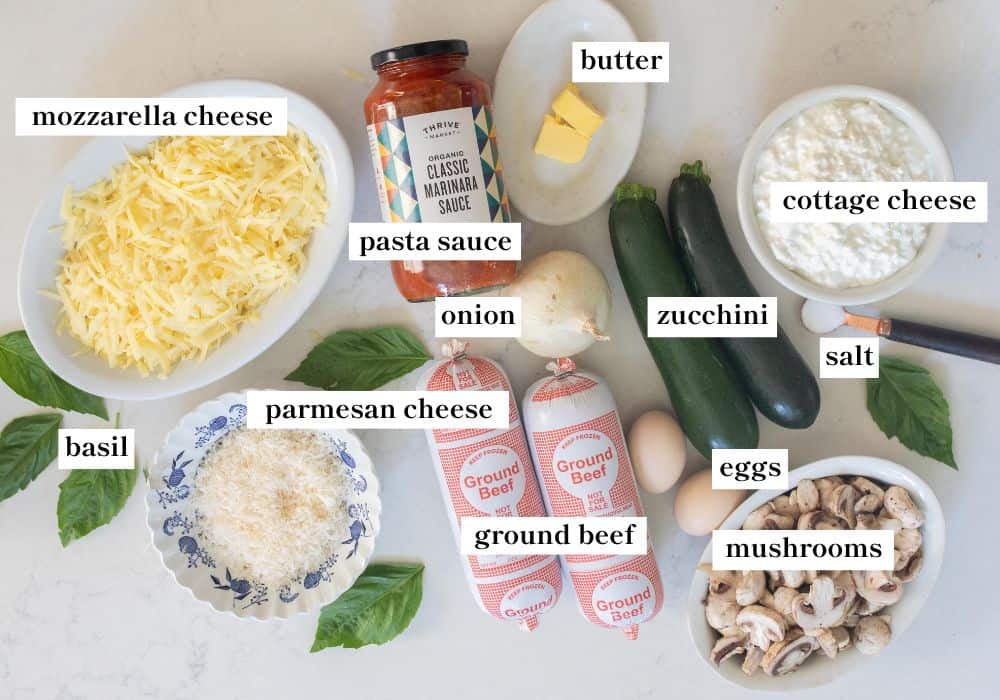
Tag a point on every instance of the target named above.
point(420, 50)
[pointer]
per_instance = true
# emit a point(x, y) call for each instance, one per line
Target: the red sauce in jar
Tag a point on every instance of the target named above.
point(430, 127)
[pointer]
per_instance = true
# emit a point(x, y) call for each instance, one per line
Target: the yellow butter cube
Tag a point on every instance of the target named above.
point(576, 111)
point(559, 141)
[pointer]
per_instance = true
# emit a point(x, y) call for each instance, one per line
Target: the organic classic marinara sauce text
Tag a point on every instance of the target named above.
point(434, 150)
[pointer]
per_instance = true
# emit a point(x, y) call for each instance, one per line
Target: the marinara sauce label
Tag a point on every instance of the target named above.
point(439, 167)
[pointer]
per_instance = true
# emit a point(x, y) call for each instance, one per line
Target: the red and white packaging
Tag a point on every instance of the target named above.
point(485, 472)
point(578, 447)
point(620, 595)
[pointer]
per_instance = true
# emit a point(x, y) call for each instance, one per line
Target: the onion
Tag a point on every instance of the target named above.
point(565, 303)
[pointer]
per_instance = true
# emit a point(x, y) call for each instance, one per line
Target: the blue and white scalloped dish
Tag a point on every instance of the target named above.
point(177, 533)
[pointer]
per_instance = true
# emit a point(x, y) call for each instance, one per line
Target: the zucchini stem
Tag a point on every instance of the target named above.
point(633, 190)
point(696, 170)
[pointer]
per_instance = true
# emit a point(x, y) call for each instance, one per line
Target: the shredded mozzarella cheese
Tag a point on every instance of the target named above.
point(184, 243)
point(272, 503)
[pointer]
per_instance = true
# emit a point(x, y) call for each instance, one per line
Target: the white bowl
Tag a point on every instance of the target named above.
point(43, 250)
point(534, 68)
point(177, 534)
point(818, 669)
point(941, 170)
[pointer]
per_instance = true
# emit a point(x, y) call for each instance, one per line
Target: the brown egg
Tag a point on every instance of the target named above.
point(658, 450)
point(698, 509)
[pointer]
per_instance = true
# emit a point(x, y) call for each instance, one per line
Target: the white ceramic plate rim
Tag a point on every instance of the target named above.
point(791, 280)
point(614, 165)
point(91, 373)
point(347, 570)
point(819, 670)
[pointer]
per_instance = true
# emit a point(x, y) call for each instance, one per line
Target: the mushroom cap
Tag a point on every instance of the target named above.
point(762, 625)
point(757, 518)
point(872, 634)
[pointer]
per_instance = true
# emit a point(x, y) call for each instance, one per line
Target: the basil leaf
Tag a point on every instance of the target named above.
point(27, 445)
point(361, 359)
point(379, 606)
point(905, 402)
point(24, 372)
point(89, 498)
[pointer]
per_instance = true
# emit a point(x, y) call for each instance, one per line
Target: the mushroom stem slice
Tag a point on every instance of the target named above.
point(752, 661)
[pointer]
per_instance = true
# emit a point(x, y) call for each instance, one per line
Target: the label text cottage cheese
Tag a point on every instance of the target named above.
point(845, 141)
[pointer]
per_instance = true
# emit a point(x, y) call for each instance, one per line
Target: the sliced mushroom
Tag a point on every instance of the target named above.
point(869, 503)
point(901, 506)
point(723, 583)
point(785, 656)
point(776, 521)
point(752, 661)
point(728, 647)
point(786, 505)
point(751, 587)
point(878, 587)
point(826, 605)
point(872, 635)
point(868, 487)
point(825, 485)
point(827, 641)
point(756, 519)
point(832, 522)
point(720, 611)
point(840, 502)
point(865, 608)
point(912, 568)
point(807, 496)
point(866, 521)
point(783, 598)
point(907, 543)
point(761, 625)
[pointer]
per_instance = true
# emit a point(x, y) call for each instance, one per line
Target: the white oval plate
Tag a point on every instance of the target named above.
point(43, 250)
point(534, 68)
point(178, 538)
point(818, 669)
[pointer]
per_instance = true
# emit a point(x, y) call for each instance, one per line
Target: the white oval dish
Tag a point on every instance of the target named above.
point(43, 250)
point(818, 669)
point(936, 235)
point(534, 68)
point(178, 539)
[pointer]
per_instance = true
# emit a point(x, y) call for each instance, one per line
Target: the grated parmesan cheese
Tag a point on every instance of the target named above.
point(272, 503)
point(184, 243)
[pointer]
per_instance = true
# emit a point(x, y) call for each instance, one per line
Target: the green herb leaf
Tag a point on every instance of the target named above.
point(27, 445)
point(906, 403)
point(89, 498)
point(378, 607)
point(24, 372)
point(361, 360)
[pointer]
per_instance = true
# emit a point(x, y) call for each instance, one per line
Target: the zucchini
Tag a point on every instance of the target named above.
point(706, 394)
point(776, 377)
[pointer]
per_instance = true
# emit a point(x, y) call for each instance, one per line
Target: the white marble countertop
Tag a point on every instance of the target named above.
point(103, 619)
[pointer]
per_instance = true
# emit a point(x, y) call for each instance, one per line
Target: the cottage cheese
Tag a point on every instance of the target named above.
point(846, 141)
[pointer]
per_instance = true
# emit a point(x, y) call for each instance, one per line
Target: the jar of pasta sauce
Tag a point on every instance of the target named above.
point(434, 149)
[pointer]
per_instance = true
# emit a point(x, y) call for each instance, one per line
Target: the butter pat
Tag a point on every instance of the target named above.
point(560, 141)
point(576, 111)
